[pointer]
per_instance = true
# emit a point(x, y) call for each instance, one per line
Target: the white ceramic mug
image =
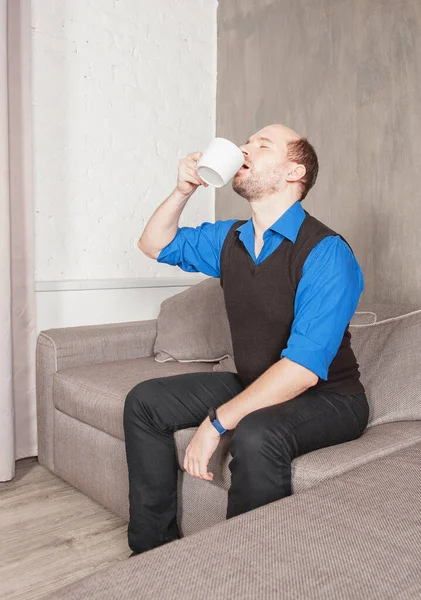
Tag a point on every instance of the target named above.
point(220, 162)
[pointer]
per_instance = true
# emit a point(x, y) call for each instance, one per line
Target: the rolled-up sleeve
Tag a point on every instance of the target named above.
point(326, 299)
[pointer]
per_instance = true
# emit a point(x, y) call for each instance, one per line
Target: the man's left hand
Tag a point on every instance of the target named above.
point(200, 450)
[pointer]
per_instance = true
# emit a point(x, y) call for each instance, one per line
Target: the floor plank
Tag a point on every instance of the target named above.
point(51, 534)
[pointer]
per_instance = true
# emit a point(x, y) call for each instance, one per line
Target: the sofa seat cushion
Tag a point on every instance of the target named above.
point(95, 394)
point(314, 467)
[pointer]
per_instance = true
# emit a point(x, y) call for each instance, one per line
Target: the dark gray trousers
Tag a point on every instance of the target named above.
point(263, 444)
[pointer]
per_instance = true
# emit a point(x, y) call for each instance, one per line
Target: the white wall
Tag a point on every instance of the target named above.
point(122, 89)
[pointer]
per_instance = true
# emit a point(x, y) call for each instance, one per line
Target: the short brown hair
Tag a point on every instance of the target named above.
point(303, 153)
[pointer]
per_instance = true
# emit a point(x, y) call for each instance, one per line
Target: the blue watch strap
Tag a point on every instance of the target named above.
point(215, 422)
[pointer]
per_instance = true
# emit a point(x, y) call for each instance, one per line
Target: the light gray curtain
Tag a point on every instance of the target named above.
point(18, 430)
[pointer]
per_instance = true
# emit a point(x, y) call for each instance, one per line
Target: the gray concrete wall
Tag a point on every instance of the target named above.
point(347, 75)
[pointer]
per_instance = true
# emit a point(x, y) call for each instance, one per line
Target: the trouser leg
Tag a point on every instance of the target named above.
point(154, 409)
point(266, 441)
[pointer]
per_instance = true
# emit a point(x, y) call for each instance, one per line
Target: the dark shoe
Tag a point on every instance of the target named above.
point(134, 554)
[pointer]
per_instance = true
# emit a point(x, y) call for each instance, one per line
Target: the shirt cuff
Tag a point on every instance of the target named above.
point(309, 354)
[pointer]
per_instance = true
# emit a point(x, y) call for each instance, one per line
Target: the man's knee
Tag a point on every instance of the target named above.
point(254, 435)
point(247, 436)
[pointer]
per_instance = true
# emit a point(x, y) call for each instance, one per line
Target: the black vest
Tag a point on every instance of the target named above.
point(259, 300)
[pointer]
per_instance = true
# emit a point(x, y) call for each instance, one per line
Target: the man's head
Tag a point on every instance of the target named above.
point(278, 160)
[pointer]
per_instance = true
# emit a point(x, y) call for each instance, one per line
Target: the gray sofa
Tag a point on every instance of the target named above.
point(84, 374)
point(353, 537)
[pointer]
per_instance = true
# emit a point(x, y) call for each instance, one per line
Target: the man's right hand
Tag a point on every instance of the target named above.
point(188, 178)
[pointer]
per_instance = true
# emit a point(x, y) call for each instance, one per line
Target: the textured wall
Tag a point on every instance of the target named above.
point(346, 74)
point(121, 90)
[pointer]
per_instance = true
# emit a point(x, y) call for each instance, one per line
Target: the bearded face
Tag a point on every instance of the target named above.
point(254, 181)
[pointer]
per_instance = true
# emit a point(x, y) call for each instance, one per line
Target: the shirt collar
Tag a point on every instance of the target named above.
point(287, 225)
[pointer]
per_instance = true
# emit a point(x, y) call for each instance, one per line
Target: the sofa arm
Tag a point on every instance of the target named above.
point(93, 344)
point(62, 348)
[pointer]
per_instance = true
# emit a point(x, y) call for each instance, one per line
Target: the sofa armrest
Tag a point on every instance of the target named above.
point(93, 344)
point(62, 348)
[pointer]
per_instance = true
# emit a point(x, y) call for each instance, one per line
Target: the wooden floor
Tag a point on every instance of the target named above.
point(51, 534)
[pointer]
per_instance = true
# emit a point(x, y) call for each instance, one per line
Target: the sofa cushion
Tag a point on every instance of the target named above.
point(388, 353)
point(226, 364)
point(192, 326)
point(95, 394)
point(381, 311)
point(314, 467)
point(364, 317)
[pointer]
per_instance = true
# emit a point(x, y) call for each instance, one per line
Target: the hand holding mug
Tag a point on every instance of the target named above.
point(188, 178)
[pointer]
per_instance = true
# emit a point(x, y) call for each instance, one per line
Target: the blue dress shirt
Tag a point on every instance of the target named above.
point(327, 294)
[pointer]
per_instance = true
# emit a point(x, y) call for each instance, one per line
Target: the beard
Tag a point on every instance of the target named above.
point(253, 186)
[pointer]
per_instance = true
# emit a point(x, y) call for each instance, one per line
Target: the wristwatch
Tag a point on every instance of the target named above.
point(215, 421)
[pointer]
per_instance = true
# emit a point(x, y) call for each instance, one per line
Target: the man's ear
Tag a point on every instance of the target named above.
point(296, 172)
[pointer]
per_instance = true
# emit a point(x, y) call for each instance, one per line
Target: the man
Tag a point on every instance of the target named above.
point(291, 286)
